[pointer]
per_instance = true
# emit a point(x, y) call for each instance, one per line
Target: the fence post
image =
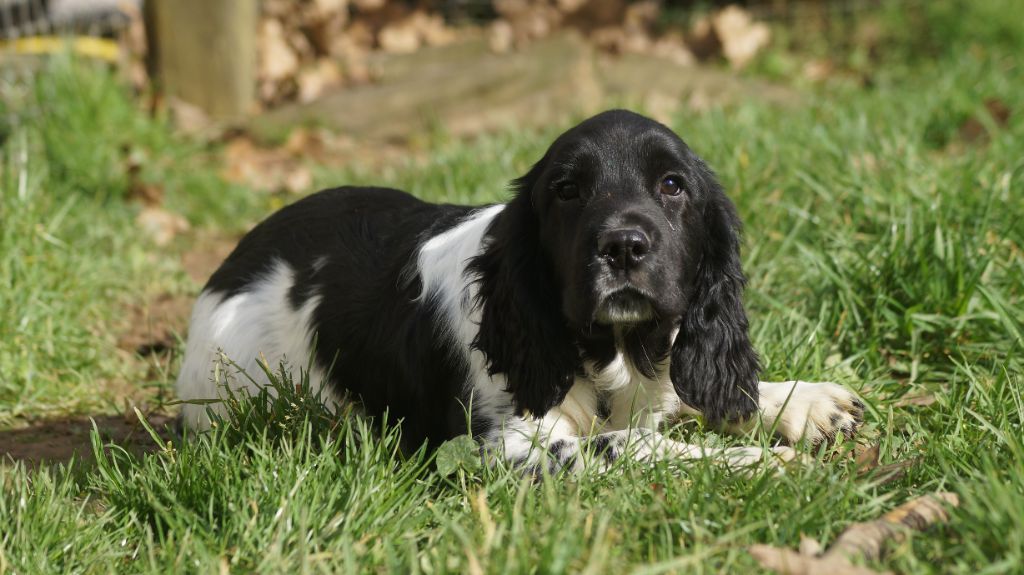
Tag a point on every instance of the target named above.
point(206, 53)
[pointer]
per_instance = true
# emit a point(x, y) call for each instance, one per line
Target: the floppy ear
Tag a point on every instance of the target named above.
point(714, 368)
point(522, 332)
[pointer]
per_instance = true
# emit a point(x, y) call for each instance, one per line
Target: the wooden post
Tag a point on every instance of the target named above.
point(206, 54)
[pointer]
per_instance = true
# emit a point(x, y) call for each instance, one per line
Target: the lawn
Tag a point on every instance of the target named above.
point(883, 243)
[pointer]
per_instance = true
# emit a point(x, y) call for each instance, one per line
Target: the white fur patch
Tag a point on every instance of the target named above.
point(442, 266)
point(802, 410)
point(635, 399)
point(248, 328)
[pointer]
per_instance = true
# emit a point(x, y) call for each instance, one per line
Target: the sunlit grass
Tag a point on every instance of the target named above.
point(879, 255)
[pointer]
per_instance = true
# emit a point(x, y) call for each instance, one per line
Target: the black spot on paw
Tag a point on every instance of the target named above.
point(605, 447)
point(833, 422)
point(858, 415)
point(558, 449)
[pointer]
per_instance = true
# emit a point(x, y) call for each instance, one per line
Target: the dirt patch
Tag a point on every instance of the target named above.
point(154, 326)
point(58, 440)
point(208, 251)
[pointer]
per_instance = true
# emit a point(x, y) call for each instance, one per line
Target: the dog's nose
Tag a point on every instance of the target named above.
point(623, 249)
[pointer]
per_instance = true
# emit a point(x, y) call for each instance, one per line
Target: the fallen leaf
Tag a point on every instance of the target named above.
point(790, 562)
point(740, 36)
point(860, 541)
point(462, 452)
point(277, 59)
point(262, 169)
point(188, 118)
point(368, 5)
point(432, 29)
point(866, 458)
point(500, 37)
point(867, 540)
point(146, 193)
point(672, 47)
point(319, 78)
point(920, 400)
point(160, 225)
point(399, 37)
point(892, 472)
point(702, 40)
point(299, 180)
point(975, 131)
point(810, 546)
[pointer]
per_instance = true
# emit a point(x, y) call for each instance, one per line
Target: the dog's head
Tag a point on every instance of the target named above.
point(619, 229)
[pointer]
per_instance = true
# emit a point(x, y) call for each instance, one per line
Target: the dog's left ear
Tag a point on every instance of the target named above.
point(522, 331)
point(714, 367)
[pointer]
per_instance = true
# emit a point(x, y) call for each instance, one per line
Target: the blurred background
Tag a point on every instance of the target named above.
point(387, 69)
point(344, 74)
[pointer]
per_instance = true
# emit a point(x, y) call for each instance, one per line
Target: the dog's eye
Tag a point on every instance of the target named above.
point(671, 186)
point(568, 191)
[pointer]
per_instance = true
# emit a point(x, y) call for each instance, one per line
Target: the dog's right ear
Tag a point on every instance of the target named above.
point(522, 333)
point(714, 367)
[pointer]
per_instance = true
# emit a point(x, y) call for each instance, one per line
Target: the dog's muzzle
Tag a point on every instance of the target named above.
point(626, 306)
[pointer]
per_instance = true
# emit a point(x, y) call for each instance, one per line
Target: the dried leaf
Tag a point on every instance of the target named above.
point(188, 118)
point(314, 81)
point(146, 193)
point(867, 540)
point(866, 458)
point(299, 180)
point(975, 130)
point(810, 546)
point(161, 225)
point(790, 562)
point(921, 400)
point(860, 541)
point(500, 36)
point(368, 5)
point(740, 36)
point(277, 59)
point(399, 37)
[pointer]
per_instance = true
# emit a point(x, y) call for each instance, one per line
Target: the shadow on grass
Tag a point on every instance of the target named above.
point(58, 440)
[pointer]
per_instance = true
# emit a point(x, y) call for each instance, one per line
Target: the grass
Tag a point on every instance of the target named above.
point(884, 252)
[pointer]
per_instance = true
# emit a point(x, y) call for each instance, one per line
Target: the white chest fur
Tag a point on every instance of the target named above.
point(616, 397)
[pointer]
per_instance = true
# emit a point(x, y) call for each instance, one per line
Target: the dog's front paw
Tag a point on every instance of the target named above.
point(747, 458)
point(817, 412)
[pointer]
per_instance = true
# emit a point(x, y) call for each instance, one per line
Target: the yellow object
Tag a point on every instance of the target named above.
point(90, 47)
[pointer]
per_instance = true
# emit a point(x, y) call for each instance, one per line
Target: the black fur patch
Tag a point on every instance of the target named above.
point(350, 247)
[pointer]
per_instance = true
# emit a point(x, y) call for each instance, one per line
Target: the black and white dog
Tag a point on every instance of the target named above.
point(571, 320)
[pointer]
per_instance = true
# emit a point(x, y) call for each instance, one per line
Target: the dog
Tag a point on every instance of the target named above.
point(569, 321)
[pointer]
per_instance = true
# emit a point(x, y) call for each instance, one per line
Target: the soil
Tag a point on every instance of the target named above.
point(58, 440)
point(149, 334)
